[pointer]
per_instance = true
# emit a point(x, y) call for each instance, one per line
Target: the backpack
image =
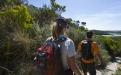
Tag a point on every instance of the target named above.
point(86, 50)
point(48, 58)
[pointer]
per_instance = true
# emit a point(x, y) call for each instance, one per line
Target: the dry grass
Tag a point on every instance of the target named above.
point(119, 65)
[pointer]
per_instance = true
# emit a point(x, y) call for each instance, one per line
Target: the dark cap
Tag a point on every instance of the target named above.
point(62, 20)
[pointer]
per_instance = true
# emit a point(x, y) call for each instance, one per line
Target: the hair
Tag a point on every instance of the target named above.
point(57, 29)
point(89, 34)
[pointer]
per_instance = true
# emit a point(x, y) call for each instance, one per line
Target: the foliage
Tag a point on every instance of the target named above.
point(41, 33)
point(17, 16)
point(58, 9)
point(76, 35)
point(42, 15)
point(46, 14)
point(6, 4)
point(99, 32)
point(14, 39)
point(83, 23)
point(73, 23)
point(26, 68)
point(118, 39)
point(82, 28)
point(118, 72)
point(110, 45)
point(115, 32)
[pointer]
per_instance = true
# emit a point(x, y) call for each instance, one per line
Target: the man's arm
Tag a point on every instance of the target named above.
point(78, 50)
point(98, 57)
point(77, 53)
point(97, 51)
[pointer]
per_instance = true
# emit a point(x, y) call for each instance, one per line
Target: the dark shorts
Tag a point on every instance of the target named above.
point(88, 67)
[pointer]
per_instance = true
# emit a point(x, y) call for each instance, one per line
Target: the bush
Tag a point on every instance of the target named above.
point(76, 35)
point(110, 45)
point(118, 72)
point(26, 68)
point(28, 46)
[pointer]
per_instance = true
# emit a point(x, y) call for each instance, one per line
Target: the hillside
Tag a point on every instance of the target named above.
point(106, 32)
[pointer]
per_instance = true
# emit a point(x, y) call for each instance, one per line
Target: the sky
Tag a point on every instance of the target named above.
point(98, 14)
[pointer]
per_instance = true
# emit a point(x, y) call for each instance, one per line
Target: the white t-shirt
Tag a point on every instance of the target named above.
point(67, 50)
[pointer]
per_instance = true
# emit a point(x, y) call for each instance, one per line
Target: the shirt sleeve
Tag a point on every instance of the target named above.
point(96, 49)
point(71, 49)
point(79, 46)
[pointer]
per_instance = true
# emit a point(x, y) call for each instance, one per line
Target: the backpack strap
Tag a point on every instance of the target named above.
point(62, 39)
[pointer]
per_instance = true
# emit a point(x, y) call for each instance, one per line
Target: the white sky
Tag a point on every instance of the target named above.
point(98, 14)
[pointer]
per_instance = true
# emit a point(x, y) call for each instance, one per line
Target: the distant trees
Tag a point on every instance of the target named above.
point(83, 23)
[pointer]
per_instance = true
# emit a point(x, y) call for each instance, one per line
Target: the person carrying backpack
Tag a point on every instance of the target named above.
point(66, 48)
point(87, 48)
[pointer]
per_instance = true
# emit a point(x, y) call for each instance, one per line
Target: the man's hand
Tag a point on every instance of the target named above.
point(99, 62)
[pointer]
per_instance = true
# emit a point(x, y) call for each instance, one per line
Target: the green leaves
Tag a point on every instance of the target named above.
point(56, 7)
point(110, 45)
point(18, 16)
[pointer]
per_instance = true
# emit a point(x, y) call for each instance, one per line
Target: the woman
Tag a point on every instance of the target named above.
point(59, 28)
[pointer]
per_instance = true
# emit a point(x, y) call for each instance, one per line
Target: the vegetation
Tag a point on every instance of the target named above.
point(99, 32)
point(24, 27)
point(118, 72)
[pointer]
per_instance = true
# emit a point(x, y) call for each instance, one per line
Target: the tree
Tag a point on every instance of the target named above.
point(46, 14)
point(17, 16)
point(9, 3)
point(83, 23)
point(77, 22)
point(82, 28)
point(58, 9)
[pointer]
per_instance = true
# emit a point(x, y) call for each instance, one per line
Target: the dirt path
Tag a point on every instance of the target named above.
point(111, 67)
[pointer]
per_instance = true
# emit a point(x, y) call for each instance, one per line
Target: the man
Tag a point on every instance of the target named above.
point(88, 64)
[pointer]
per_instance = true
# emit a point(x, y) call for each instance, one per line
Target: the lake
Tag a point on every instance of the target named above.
point(112, 35)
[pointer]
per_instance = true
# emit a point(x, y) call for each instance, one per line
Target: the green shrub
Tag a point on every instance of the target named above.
point(110, 45)
point(118, 72)
point(41, 33)
point(26, 68)
point(28, 46)
point(76, 35)
point(17, 16)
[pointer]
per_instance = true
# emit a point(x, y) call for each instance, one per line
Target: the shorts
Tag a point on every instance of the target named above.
point(88, 67)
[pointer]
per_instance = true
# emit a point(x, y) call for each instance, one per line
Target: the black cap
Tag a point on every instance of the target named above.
point(62, 20)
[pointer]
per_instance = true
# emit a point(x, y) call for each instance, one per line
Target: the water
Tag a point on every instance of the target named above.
point(112, 35)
